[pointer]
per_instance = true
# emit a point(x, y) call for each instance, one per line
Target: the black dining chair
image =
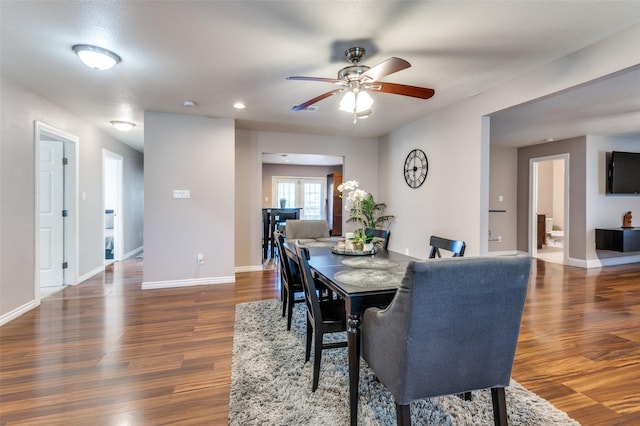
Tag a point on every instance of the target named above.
point(281, 220)
point(328, 316)
point(290, 279)
point(438, 243)
point(379, 235)
point(451, 328)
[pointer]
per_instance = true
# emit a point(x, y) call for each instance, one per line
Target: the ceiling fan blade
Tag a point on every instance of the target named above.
point(326, 80)
point(402, 89)
point(385, 68)
point(314, 100)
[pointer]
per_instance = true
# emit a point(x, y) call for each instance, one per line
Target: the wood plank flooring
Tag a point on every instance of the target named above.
point(107, 353)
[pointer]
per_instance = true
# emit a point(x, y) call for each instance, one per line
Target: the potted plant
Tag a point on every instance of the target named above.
point(363, 211)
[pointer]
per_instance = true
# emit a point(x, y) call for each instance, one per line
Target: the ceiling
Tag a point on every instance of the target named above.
point(218, 52)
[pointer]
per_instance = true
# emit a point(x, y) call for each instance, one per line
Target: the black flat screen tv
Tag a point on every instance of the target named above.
point(624, 173)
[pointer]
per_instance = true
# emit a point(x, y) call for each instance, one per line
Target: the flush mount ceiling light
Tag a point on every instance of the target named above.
point(96, 57)
point(123, 126)
point(239, 105)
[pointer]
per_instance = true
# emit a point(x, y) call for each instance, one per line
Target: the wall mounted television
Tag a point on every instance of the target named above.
point(624, 173)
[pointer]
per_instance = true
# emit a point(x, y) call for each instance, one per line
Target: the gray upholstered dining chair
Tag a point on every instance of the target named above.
point(451, 328)
point(381, 235)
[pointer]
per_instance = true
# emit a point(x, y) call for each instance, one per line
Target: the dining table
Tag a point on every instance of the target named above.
point(363, 281)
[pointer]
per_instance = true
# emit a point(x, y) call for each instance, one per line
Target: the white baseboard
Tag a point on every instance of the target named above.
point(133, 252)
point(612, 261)
point(251, 268)
point(9, 316)
point(90, 274)
point(150, 285)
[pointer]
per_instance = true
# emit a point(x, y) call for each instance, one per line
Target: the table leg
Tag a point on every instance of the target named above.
point(353, 341)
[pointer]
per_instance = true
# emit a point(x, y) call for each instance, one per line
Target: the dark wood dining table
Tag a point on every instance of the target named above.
point(363, 282)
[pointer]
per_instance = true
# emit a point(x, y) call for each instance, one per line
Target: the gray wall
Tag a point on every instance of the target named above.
point(504, 167)
point(194, 153)
point(589, 205)
point(360, 157)
point(20, 109)
point(271, 170)
point(577, 150)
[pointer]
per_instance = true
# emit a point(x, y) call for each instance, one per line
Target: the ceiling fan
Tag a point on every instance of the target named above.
point(357, 79)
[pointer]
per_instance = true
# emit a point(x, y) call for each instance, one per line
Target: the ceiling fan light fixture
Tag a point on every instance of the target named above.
point(123, 126)
point(361, 101)
point(96, 57)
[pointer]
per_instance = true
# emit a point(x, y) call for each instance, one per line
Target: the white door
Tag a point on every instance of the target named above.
point(112, 181)
point(307, 193)
point(51, 219)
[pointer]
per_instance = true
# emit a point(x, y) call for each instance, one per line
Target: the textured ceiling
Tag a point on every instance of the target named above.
point(219, 52)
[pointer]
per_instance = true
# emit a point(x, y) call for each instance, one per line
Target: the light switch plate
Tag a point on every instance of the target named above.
point(181, 193)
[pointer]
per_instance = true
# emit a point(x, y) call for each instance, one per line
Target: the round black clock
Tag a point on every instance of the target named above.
point(416, 167)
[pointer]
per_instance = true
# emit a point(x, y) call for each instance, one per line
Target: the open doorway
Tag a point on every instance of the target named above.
point(549, 204)
point(56, 209)
point(112, 202)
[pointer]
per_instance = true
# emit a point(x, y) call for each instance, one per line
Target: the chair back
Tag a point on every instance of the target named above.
point(452, 327)
point(307, 229)
point(438, 243)
point(381, 235)
point(281, 218)
point(314, 314)
point(288, 269)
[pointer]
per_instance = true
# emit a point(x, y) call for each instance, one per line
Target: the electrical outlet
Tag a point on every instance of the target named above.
point(200, 259)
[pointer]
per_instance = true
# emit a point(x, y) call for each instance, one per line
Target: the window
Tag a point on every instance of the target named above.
point(307, 193)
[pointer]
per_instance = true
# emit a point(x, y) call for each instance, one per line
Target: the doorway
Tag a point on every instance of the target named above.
point(549, 207)
point(56, 258)
point(112, 203)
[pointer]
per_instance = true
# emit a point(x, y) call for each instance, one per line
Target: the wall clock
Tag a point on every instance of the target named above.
point(416, 167)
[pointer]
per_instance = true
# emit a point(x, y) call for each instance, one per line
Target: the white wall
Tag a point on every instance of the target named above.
point(20, 109)
point(606, 210)
point(454, 201)
point(186, 152)
point(360, 157)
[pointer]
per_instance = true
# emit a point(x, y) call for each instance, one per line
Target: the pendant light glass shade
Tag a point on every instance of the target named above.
point(361, 101)
point(96, 57)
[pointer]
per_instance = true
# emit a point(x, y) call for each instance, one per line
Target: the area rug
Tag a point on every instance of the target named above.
point(271, 384)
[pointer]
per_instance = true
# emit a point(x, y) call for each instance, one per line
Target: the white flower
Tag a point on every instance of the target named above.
point(349, 185)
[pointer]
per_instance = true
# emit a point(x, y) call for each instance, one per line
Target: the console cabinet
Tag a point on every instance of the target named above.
point(618, 239)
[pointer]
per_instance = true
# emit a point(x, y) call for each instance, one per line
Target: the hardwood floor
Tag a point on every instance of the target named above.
point(107, 353)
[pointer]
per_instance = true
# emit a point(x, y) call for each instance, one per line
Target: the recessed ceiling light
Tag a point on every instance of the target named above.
point(123, 126)
point(239, 105)
point(96, 57)
point(189, 103)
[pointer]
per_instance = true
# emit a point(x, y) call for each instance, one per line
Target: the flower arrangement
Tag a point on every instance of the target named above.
point(363, 210)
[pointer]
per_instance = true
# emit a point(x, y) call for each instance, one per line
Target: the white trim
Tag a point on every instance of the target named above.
point(533, 202)
point(90, 274)
point(612, 261)
point(150, 285)
point(251, 268)
point(73, 206)
point(133, 252)
point(504, 253)
point(10, 316)
point(118, 181)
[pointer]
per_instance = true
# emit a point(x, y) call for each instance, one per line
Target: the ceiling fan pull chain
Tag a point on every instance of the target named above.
point(355, 108)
